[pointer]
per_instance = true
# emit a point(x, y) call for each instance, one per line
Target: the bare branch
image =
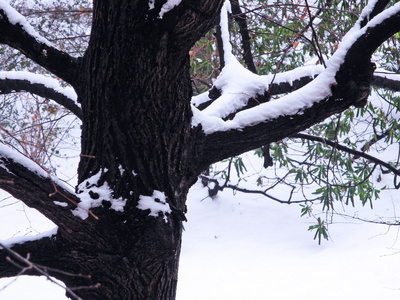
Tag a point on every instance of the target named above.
point(227, 185)
point(39, 249)
point(382, 81)
point(357, 153)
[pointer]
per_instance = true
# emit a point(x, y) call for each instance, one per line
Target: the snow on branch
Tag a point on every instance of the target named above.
point(167, 6)
point(29, 238)
point(242, 85)
point(16, 32)
point(15, 18)
point(44, 86)
point(28, 182)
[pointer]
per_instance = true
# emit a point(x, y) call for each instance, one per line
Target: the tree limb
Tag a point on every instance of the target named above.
point(40, 251)
point(27, 182)
point(376, 9)
point(352, 88)
point(376, 139)
point(381, 81)
point(235, 188)
point(19, 35)
point(32, 258)
point(185, 23)
point(285, 82)
point(8, 85)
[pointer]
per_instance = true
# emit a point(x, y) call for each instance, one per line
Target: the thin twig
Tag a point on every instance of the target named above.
point(33, 266)
point(348, 150)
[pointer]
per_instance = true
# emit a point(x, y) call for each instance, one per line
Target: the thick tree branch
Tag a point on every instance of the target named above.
point(9, 84)
point(352, 88)
point(285, 82)
point(188, 22)
point(40, 251)
point(33, 258)
point(15, 32)
point(376, 9)
point(27, 182)
point(295, 83)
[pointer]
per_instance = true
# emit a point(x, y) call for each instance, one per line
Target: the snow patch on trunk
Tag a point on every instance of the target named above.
point(157, 203)
point(92, 195)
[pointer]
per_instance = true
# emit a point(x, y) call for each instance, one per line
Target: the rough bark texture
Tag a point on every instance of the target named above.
point(134, 88)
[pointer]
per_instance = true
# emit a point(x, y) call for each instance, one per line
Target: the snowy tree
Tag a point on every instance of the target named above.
point(145, 139)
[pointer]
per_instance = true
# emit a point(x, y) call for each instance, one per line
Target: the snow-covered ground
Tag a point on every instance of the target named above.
point(239, 247)
point(244, 247)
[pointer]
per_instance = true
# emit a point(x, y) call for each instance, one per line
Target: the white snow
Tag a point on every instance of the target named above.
point(104, 194)
point(59, 203)
point(156, 203)
point(9, 153)
point(16, 18)
point(234, 97)
point(121, 170)
point(22, 239)
point(385, 74)
point(167, 6)
point(151, 4)
point(226, 43)
point(300, 72)
point(242, 246)
point(47, 81)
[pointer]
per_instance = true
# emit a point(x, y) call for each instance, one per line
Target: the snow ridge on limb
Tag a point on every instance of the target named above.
point(16, 32)
point(28, 238)
point(345, 82)
point(167, 6)
point(42, 86)
point(16, 18)
point(28, 182)
point(292, 104)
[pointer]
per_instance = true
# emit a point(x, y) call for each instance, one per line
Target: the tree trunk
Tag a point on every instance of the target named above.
point(139, 150)
point(135, 94)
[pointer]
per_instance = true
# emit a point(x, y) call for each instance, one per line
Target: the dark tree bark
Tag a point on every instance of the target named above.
point(134, 88)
